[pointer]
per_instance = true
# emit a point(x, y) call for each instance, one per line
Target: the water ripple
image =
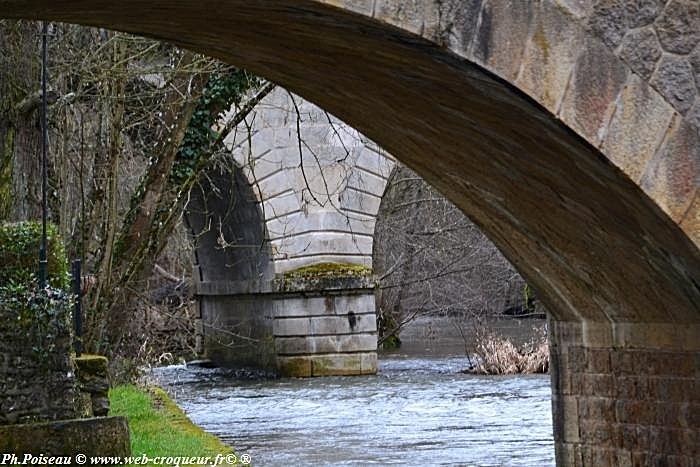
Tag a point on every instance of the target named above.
point(418, 411)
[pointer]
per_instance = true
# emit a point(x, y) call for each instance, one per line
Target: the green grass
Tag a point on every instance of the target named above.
point(158, 427)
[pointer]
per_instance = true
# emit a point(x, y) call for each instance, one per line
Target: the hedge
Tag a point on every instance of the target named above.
point(19, 254)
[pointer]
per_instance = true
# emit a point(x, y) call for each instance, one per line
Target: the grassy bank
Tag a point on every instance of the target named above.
point(159, 428)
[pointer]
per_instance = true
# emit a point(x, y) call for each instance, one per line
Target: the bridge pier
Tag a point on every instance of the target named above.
point(326, 326)
point(625, 393)
point(302, 324)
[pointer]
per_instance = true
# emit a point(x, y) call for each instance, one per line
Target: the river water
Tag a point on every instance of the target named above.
point(415, 411)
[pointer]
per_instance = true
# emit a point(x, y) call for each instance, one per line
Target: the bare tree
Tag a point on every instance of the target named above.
point(432, 261)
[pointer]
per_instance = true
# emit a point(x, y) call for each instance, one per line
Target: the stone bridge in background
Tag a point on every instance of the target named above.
point(567, 130)
point(284, 253)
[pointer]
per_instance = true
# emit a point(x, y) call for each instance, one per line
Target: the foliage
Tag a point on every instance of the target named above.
point(41, 317)
point(159, 427)
point(19, 254)
point(221, 91)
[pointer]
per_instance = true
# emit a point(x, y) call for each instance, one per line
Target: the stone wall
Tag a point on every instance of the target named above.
point(319, 182)
point(103, 436)
point(633, 405)
point(37, 382)
point(326, 327)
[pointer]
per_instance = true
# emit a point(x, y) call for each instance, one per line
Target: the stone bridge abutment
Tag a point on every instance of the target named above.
point(567, 130)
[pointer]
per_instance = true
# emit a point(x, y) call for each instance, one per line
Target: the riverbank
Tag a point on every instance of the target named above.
point(159, 428)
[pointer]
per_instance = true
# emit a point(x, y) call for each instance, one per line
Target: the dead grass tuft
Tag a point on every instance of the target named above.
point(497, 355)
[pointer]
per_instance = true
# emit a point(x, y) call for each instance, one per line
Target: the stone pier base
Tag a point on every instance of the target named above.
point(625, 394)
point(302, 325)
point(328, 333)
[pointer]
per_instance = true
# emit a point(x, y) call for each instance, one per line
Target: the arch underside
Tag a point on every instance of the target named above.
point(592, 243)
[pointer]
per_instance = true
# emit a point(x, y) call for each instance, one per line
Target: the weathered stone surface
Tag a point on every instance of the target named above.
point(694, 60)
point(673, 175)
point(339, 305)
point(321, 211)
point(550, 56)
point(674, 80)
point(678, 26)
point(578, 8)
point(105, 436)
point(693, 115)
point(311, 345)
point(299, 367)
point(501, 36)
point(408, 14)
point(634, 133)
point(643, 12)
point(452, 23)
point(93, 383)
point(238, 330)
point(37, 382)
point(590, 99)
point(349, 364)
point(609, 21)
point(329, 365)
point(622, 400)
point(100, 405)
point(317, 325)
point(641, 50)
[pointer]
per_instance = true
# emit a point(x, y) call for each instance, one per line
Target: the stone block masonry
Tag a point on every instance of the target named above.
point(301, 326)
point(627, 404)
point(327, 332)
point(93, 385)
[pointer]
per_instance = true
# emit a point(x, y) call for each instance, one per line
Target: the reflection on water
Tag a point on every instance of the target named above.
point(419, 411)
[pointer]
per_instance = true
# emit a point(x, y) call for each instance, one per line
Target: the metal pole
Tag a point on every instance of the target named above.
point(43, 261)
point(77, 315)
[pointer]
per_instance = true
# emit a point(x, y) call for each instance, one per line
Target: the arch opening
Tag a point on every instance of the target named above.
point(233, 262)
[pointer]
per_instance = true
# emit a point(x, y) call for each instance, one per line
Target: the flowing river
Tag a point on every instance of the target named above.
point(415, 411)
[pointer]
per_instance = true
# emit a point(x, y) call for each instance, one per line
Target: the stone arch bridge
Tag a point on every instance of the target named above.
point(284, 253)
point(567, 129)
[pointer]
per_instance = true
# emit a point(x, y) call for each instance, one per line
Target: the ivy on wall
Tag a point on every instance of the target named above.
point(19, 254)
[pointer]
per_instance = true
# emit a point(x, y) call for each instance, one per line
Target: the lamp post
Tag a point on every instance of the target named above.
point(43, 261)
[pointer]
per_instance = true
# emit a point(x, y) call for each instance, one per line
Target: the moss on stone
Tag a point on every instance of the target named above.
point(103, 436)
point(92, 364)
point(298, 367)
point(328, 270)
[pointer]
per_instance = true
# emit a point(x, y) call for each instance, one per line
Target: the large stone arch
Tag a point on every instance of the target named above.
point(546, 123)
point(318, 181)
point(283, 226)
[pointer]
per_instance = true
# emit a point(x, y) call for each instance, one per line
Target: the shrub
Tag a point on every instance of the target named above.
point(19, 254)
